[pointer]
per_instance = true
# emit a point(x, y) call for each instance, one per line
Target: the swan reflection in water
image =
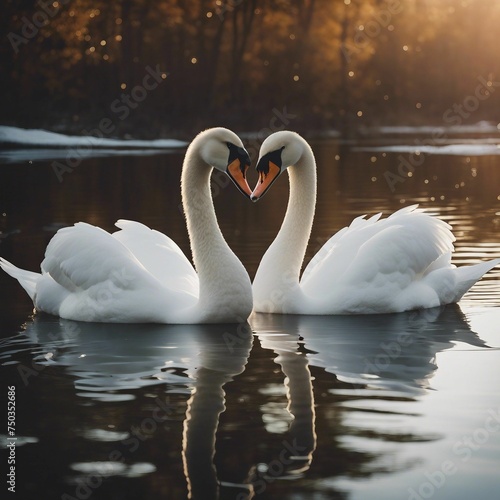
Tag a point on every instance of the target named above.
point(387, 351)
point(394, 354)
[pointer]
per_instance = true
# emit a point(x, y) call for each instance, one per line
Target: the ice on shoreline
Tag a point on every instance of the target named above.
point(43, 138)
point(450, 149)
point(482, 127)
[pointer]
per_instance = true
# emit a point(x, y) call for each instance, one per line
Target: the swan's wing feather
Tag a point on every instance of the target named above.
point(159, 254)
point(97, 278)
point(341, 242)
point(81, 256)
point(387, 253)
point(406, 210)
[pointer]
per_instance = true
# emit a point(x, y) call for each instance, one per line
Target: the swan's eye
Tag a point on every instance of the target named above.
point(237, 152)
point(273, 157)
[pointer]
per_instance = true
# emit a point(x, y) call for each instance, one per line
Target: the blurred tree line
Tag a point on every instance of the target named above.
point(175, 66)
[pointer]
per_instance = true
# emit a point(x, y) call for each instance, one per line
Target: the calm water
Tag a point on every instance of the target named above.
point(402, 406)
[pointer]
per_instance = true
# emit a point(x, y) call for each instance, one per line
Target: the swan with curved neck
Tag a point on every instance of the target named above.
point(390, 265)
point(138, 275)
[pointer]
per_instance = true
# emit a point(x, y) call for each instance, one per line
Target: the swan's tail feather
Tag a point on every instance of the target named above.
point(27, 279)
point(468, 275)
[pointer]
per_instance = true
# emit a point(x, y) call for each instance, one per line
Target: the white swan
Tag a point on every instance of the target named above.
point(373, 266)
point(138, 275)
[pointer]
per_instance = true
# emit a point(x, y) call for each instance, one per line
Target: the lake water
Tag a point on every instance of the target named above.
point(403, 406)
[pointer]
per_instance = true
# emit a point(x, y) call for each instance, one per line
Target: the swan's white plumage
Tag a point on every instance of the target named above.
point(138, 275)
point(27, 279)
point(89, 275)
point(408, 238)
point(159, 254)
point(375, 265)
point(372, 266)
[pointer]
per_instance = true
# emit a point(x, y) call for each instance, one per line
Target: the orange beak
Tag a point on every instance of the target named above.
point(265, 181)
point(238, 176)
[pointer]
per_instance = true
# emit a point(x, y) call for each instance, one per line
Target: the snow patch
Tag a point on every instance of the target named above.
point(44, 138)
point(482, 127)
point(32, 154)
point(450, 149)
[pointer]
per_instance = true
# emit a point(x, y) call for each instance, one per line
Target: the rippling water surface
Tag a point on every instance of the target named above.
point(403, 406)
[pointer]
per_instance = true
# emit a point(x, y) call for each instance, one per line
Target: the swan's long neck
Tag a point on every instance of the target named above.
point(277, 277)
point(224, 282)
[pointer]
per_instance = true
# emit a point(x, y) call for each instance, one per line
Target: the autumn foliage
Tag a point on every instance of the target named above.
point(344, 64)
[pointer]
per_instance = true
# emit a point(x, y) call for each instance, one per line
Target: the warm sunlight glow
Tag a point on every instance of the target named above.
point(395, 60)
point(339, 338)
